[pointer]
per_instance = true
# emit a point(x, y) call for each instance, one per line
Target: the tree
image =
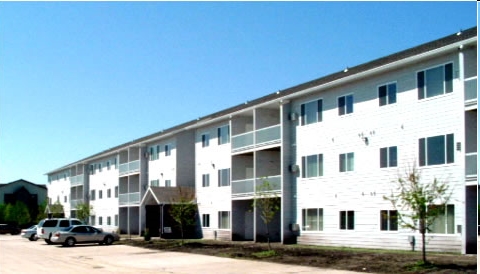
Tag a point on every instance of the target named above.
point(267, 204)
point(83, 212)
point(419, 204)
point(17, 213)
point(41, 211)
point(183, 209)
point(56, 210)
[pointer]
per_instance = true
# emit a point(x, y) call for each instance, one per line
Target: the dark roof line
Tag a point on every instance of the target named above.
point(423, 48)
point(25, 181)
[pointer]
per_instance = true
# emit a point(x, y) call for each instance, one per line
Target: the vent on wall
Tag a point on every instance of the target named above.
point(294, 168)
point(293, 116)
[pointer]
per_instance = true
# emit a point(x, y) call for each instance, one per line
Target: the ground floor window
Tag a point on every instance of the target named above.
point(445, 222)
point(205, 220)
point(224, 219)
point(312, 219)
point(388, 220)
point(92, 220)
point(116, 220)
point(109, 220)
point(347, 220)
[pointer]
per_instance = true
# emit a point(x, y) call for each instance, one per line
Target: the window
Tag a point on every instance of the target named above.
point(168, 151)
point(109, 193)
point(108, 165)
point(154, 152)
point(100, 221)
point(205, 220)
point(444, 223)
point(436, 150)
point(435, 81)
point(388, 157)
point(155, 182)
point(116, 192)
point(92, 195)
point(346, 162)
point(223, 134)
point(224, 219)
point(100, 167)
point(312, 219)
point(345, 104)
point(92, 220)
point(224, 177)
point(205, 140)
point(109, 220)
point(205, 180)
point(151, 152)
point(116, 220)
point(65, 199)
point(347, 220)
point(312, 166)
point(100, 194)
point(387, 94)
point(168, 183)
point(388, 220)
point(311, 112)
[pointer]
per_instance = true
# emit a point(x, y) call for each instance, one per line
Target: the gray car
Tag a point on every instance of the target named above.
point(83, 234)
point(30, 233)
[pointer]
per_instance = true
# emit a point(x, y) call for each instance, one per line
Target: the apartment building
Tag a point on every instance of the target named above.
point(330, 149)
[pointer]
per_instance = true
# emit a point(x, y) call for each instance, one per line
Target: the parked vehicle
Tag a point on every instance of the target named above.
point(47, 227)
point(9, 228)
point(83, 234)
point(30, 233)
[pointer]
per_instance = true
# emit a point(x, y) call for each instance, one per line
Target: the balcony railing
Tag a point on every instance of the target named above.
point(77, 180)
point(242, 188)
point(264, 136)
point(129, 198)
point(471, 164)
point(471, 90)
point(75, 203)
point(129, 167)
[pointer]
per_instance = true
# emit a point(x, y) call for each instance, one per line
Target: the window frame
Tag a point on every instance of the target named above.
point(388, 95)
point(426, 156)
point(345, 106)
point(206, 180)
point(346, 167)
point(448, 227)
point(387, 221)
point(319, 219)
point(205, 139)
point(422, 91)
point(221, 131)
point(318, 112)
point(221, 217)
point(386, 152)
point(347, 219)
point(206, 220)
point(319, 165)
point(221, 183)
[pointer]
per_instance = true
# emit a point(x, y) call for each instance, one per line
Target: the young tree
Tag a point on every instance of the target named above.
point(183, 209)
point(41, 211)
point(419, 204)
point(267, 204)
point(56, 210)
point(83, 212)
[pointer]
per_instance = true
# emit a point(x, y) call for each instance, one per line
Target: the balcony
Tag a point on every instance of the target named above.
point(75, 203)
point(471, 92)
point(246, 188)
point(129, 198)
point(257, 138)
point(77, 180)
point(471, 165)
point(130, 167)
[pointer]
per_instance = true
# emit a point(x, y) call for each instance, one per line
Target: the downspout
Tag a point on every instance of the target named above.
point(461, 76)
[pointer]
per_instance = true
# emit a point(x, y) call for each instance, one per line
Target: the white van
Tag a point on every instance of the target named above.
point(47, 227)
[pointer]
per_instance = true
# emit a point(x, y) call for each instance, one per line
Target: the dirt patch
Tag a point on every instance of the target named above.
point(369, 261)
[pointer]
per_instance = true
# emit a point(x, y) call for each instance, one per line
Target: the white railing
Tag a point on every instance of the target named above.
point(247, 187)
point(471, 164)
point(77, 180)
point(129, 167)
point(129, 198)
point(257, 138)
point(471, 89)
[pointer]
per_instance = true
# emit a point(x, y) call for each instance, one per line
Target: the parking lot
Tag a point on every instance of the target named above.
point(18, 255)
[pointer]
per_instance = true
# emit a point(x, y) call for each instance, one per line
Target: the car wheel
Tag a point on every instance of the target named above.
point(48, 241)
point(33, 237)
point(70, 242)
point(108, 240)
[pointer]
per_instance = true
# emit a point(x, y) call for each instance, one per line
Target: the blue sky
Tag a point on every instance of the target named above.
point(77, 78)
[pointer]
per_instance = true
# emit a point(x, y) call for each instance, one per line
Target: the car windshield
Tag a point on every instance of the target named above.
point(33, 227)
point(41, 223)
